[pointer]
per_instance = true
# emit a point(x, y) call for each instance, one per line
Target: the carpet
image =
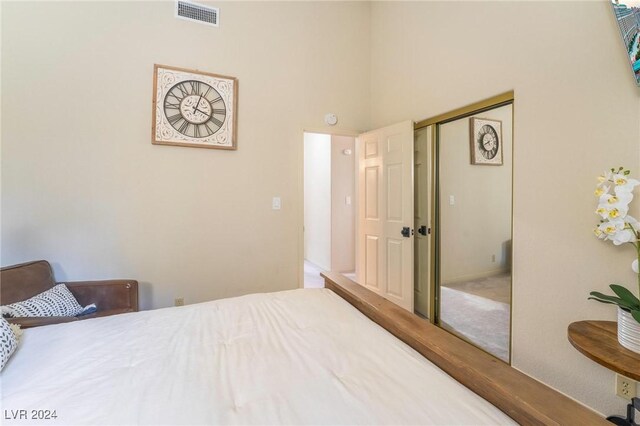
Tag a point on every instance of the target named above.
point(482, 321)
point(496, 287)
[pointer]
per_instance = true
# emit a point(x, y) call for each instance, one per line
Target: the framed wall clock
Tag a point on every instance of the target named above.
point(194, 108)
point(486, 141)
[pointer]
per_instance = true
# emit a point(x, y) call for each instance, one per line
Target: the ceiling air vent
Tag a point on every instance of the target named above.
point(197, 13)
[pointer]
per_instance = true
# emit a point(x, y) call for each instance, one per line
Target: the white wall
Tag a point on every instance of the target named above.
point(317, 199)
point(476, 229)
point(329, 222)
point(576, 113)
point(83, 186)
point(343, 215)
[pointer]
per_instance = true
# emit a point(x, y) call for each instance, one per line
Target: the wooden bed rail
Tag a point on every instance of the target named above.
point(524, 399)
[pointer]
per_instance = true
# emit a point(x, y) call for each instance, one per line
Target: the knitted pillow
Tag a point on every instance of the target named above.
point(8, 342)
point(55, 302)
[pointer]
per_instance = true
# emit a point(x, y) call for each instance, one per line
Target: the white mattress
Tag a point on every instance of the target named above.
point(294, 357)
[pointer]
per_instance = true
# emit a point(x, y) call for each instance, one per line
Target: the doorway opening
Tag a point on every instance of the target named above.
point(329, 206)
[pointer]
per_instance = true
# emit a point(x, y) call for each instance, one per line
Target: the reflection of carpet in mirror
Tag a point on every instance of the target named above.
point(496, 287)
point(480, 320)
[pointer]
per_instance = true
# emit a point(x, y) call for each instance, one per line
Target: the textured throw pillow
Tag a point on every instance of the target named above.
point(8, 342)
point(55, 302)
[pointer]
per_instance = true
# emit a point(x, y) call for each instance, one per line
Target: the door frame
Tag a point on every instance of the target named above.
point(432, 219)
point(485, 104)
point(507, 98)
point(300, 203)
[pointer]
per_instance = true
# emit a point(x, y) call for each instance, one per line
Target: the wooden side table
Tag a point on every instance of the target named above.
point(598, 341)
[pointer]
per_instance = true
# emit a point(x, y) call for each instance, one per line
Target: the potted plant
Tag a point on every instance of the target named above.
point(615, 192)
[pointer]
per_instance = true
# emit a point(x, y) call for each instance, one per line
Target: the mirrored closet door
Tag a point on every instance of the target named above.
point(474, 216)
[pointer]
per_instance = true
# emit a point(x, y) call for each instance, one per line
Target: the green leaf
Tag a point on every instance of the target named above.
point(636, 315)
point(604, 296)
point(602, 301)
point(616, 301)
point(625, 295)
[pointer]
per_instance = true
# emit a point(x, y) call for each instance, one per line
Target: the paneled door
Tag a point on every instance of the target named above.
point(385, 213)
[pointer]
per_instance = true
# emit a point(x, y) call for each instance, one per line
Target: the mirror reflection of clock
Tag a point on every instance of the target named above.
point(488, 142)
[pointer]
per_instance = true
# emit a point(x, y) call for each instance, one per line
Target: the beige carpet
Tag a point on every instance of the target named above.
point(479, 311)
point(483, 322)
point(496, 287)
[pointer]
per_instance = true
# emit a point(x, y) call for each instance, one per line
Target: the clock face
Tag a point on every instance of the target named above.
point(194, 109)
point(485, 138)
point(488, 142)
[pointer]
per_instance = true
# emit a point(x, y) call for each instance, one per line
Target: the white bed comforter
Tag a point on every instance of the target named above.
point(294, 357)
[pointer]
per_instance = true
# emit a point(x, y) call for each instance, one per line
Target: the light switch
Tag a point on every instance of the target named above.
point(347, 200)
point(276, 204)
point(452, 200)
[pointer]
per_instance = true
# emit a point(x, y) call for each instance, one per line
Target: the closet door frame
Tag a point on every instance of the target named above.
point(507, 98)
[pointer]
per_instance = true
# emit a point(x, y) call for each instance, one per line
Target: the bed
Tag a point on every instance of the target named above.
point(293, 357)
point(341, 355)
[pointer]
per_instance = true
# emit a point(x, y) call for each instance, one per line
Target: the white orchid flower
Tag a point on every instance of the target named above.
point(608, 211)
point(599, 233)
point(618, 212)
point(604, 199)
point(619, 231)
point(619, 179)
point(619, 199)
point(613, 206)
point(619, 224)
point(602, 211)
point(623, 236)
point(622, 197)
point(627, 186)
point(632, 222)
point(601, 190)
point(610, 228)
point(605, 177)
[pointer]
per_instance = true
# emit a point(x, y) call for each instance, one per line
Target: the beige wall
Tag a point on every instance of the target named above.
point(576, 113)
point(83, 186)
point(475, 232)
point(343, 181)
point(317, 199)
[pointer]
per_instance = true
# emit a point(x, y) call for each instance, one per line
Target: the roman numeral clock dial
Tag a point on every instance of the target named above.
point(486, 141)
point(194, 109)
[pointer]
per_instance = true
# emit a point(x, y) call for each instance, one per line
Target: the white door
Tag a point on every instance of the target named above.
point(422, 173)
point(385, 210)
